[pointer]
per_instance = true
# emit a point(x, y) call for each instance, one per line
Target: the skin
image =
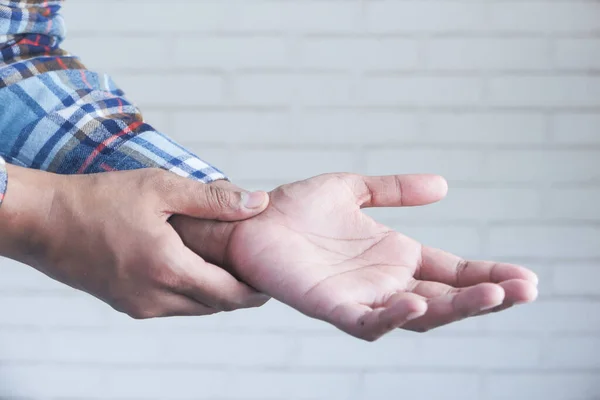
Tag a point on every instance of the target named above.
point(108, 235)
point(314, 250)
point(133, 239)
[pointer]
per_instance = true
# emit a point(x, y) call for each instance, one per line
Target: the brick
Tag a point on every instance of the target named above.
point(455, 165)
point(548, 316)
point(545, 273)
point(229, 349)
point(19, 276)
point(489, 129)
point(544, 91)
point(295, 385)
point(217, 16)
point(320, 17)
point(421, 386)
point(169, 90)
point(577, 53)
point(230, 52)
point(151, 348)
point(577, 279)
point(540, 166)
point(421, 91)
point(488, 54)
point(292, 89)
point(231, 127)
point(356, 127)
point(221, 158)
point(476, 204)
point(543, 16)
point(479, 352)
point(360, 54)
point(548, 386)
point(159, 120)
point(572, 352)
point(24, 344)
point(420, 352)
point(577, 128)
point(180, 16)
point(50, 380)
point(299, 164)
point(432, 16)
point(545, 241)
point(573, 204)
point(347, 352)
point(125, 52)
point(171, 383)
point(64, 311)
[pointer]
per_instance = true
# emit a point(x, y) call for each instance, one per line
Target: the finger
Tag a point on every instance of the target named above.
point(517, 292)
point(209, 201)
point(457, 305)
point(208, 284)
point(398, 190)
point(209, 238)
point(165, 304)
point(370, 324)
point(175, 305)
point(440, 266)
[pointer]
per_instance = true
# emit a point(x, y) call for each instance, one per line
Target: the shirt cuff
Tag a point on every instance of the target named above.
point(3, 179)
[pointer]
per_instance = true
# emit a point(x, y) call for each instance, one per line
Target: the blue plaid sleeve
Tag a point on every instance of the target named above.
point(55, 115)
point(3, 179)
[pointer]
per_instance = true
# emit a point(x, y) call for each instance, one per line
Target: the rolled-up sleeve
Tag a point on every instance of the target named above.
point(57, 116)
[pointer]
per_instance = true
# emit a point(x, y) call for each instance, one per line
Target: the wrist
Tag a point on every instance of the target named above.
point(24, 212)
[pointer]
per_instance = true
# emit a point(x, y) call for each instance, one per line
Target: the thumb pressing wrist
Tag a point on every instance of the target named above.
point(219, 200)
point(254, 200)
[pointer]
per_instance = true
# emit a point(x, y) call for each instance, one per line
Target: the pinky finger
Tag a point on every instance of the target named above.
point(458, 305)
point(517, 292)
point(368, 323)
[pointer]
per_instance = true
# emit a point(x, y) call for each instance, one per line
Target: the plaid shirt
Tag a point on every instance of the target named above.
point(55, 115)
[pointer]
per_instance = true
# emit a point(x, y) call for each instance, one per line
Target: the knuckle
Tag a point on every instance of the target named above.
point(218, 198)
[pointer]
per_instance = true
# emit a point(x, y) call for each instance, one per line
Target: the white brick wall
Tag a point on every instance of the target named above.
point(500, 96)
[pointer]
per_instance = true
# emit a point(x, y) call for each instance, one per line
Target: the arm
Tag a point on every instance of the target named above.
point(106, 234)
point(66, 119)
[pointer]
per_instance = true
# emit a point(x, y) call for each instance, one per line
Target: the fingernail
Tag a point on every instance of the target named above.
point(253, 200)
point(486, 308)
point(414, 315)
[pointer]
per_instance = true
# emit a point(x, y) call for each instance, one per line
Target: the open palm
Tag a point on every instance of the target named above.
point(315, 250)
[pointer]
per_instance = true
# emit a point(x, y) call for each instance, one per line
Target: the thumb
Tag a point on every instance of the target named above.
point(220, 200)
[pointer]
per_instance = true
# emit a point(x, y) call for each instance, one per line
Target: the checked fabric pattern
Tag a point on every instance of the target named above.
point(57, 116)
point(3, 179)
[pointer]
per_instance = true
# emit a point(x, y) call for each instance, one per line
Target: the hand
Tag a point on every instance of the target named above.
point(314, 250)
point(108, 235)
